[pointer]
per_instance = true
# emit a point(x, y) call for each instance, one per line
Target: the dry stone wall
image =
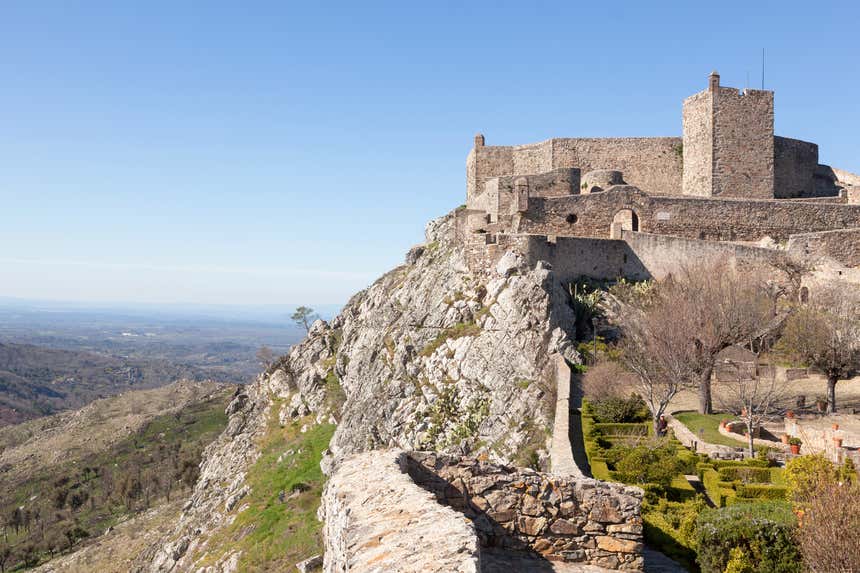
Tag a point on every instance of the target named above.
point(560, 518)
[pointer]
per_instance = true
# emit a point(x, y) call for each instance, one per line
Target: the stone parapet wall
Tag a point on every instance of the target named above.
point(560, 518)
point(377, 519)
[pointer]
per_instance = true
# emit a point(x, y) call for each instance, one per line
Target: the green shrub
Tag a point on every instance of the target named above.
point(764, 532)
point(805, 474)
point(646, 463)
point(619, 410)
point(745, 474)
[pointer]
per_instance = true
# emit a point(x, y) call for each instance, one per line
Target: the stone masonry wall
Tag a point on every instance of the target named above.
point(698, 132)
point(638, 256)
point(570, 519)
point(795, 163)
point(743, 143)
point(842, 246)
point(691, 217)
point(651, 163)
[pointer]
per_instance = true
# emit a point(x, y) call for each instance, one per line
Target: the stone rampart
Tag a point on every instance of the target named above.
point(592, 215)
point(842, 245)
point(560, 518)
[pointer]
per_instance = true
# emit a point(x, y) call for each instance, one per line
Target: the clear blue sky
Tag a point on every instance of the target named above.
point(286, 152)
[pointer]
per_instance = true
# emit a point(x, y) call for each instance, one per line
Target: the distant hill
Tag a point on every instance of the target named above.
point(37, 381)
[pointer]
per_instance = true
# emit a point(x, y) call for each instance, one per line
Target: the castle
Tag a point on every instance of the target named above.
point(638, 207)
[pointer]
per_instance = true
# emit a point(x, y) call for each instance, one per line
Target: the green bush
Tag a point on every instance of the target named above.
point(762, 531)
point(740, 463)
point(806, 474)
point(745, 474)
point(646, 463)
point(619, 410)
point(761, 491)
point(621, 429)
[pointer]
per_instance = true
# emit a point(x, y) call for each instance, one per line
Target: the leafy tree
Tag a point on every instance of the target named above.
point(304, 316)
point(825, 334)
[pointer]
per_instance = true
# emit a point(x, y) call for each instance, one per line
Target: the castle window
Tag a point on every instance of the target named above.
point(571, 218)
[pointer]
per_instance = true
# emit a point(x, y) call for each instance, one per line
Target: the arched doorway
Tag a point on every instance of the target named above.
point(624, 220)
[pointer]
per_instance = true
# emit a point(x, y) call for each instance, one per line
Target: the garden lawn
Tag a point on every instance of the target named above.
point(710, 423)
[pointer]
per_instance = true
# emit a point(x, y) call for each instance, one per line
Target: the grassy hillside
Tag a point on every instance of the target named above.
point(54, 508)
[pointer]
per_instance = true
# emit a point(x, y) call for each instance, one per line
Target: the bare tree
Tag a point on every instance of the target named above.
point(304, 316)
point(751, 397)
point(658, 347)
point(829, 535)
point(825, 334)
point(716, 306)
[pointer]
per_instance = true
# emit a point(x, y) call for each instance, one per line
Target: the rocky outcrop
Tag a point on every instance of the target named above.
point(429, 357)
point(378, 519)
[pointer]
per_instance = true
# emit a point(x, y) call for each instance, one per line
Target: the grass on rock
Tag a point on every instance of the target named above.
point(274, 535)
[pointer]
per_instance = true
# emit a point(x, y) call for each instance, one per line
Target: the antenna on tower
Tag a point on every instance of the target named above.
point(762, 68)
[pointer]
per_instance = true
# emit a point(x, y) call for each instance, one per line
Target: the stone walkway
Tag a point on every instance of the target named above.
point(567, 455)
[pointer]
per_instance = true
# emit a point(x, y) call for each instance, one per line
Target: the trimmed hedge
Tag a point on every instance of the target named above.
point(745, 474)
point(763, 532)
point(752, 462)
point(761, 491)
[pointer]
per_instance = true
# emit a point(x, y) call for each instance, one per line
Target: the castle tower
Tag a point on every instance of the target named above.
point(728, 142)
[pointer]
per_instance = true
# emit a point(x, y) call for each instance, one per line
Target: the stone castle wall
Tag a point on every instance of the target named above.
point(560, 518)
point(637, 256)
point(743, 144)
point(795, 163)
point(651, 163)
point(690, 217)
point(698, 132)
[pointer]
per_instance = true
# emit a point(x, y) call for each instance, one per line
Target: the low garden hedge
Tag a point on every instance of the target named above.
point(745, 474)
point(761, 491)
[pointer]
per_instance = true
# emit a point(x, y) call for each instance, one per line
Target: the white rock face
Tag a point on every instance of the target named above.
point(377, 519)
point(428, 357)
